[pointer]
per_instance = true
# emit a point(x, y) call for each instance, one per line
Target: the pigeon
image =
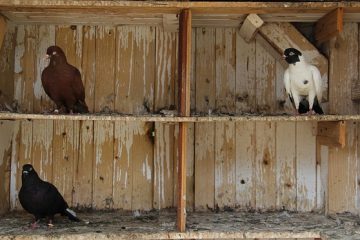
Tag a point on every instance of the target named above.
point(41, 198)
point(303, 83)
point(62, 83)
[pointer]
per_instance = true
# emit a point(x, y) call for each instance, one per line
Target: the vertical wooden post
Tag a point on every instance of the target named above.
point(184, 110)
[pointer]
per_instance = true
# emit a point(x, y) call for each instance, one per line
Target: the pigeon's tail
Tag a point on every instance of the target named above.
point(72, 215)
point(316, 107)
point(81, 107)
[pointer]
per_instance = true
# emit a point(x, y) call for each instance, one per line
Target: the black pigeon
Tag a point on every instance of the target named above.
point(41, 198)
point(62, 83)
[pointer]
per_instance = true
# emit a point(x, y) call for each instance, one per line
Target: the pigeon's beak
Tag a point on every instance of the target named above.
point(47, 56)
point(25, 172)
point(283, 56)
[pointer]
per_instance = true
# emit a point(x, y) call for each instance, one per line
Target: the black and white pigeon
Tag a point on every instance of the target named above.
point(303, 83)
point(41, 198)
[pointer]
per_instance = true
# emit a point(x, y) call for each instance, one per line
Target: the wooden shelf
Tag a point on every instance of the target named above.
point(151, 12)
point(176, 119)
point(161, 225)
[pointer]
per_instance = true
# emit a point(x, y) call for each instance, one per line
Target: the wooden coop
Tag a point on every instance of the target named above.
point(191, 134)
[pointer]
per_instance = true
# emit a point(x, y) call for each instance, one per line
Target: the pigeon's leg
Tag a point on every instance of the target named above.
point(296, 103)
point(51, 220)
point(35, 223)
point(311, 102)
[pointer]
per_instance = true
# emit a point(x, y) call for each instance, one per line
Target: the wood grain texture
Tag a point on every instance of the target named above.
point(342, 175)
point(265, 165)
point(306, 166)
point(286, 166)
point(205, 132)
point(329, 25)
point(6, 128)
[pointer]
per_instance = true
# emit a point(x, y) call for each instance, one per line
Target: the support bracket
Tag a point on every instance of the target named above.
point(250, 27)
point(332, 134)
point(329, 25)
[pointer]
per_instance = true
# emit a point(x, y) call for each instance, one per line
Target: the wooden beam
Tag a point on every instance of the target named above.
point(355, 90)
point(184, 110)
point(285, 35)
point(250, 27)
point(329, 25)
point(332, 134)
point(2, 29)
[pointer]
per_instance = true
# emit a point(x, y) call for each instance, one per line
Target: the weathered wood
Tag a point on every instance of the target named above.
point(250, 27)
point(205, 132)
point(332, 133)
point(285, 35)
point(6, 129)
point(245, 165)
point(184, 110)
point(3, 29)
point(343, 176)
point(286, 165)
point(265, 168)
point(329, 25)
point(170, 23)
point(306, 166)
point(158, 118)
point(225, 185)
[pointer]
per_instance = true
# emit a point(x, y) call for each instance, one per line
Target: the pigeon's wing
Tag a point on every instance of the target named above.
point(56, 202)
point(287, 82)
point(77, 85)
point(317, 82)
point(45, 81)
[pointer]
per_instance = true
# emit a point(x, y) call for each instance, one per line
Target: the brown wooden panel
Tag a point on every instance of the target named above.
point(286, 165)
point(265, 165)
point(329, 25)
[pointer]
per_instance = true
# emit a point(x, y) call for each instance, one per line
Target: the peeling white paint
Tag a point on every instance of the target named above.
point(7, 47)
point(14, 165)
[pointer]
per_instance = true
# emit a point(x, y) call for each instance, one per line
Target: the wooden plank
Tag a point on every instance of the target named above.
point(83, 165)
point(250, 27)
point(322, 166)
point(14, 173)
point(104, 131)
point(166, 62)
point(136, 58)
point(286, 166)
point(45, 38)
point(6, 128)
point(342, 178)
point(245, 76)
point(3, 29)
point(42, 153)
point(143, 163)
point(329, 25)
point(245, 165)
point(24, 155)
point(205, 132)
point(265, 157)
point(265, 80)
point(123, 172)
point(306, 166)
point(164, 166)
point(88, 66)
point(103, 167)
point(7, 68)
point(225, 185)
point(190, 167)
point(184, 110)
point(284, 35)
point(105, 57)
point(332, 133)
point(63, 158)
point(170, 23)
point(342, 175)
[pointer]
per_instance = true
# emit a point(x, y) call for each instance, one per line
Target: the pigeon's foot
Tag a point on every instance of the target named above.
point(311, 112)
point(34, 225)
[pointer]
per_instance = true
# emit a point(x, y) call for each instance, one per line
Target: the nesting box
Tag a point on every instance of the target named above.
point(188, 112)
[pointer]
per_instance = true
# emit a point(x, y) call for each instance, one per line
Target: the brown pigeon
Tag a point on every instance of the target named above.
point(62, 83)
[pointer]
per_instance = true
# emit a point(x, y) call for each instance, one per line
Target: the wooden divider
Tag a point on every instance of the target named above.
point(184, 110)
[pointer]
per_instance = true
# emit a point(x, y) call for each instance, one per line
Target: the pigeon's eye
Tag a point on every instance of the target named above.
point(54, 53)
point(30, 169)
point(291, 54)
